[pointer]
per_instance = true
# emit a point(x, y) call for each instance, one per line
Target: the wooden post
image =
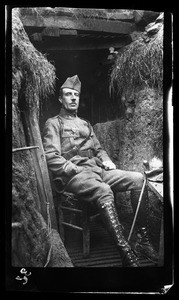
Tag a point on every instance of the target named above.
point(86, 231)
point(40, 166)
point(161, 245)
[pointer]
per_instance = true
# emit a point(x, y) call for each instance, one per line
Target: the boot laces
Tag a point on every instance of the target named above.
point(143, 236)
point(130, 254)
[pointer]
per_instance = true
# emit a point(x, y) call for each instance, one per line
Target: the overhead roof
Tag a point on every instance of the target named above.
point(60, 28)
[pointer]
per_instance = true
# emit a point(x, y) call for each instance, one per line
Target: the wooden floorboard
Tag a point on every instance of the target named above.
point(103, 252)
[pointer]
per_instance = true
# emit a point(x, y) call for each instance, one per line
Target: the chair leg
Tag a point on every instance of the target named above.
point(60, 225)
point(86, 232)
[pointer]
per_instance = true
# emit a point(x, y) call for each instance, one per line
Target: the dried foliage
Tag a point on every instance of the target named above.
point(31, 241)
point(30, 69)
point(139, 65)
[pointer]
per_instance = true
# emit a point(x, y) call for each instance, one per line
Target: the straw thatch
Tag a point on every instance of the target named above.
point(33, 79)
point(31, 72)
point(139, 64)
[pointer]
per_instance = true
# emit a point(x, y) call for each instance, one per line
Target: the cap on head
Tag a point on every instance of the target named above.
point(72, 83)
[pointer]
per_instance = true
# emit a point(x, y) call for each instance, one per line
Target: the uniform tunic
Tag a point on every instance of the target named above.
point(83, 176)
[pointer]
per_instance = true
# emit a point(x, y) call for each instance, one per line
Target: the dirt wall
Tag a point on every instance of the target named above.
point(33, 245)
point(131, 140)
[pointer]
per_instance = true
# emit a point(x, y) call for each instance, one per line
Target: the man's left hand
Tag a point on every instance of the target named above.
point(109, 165)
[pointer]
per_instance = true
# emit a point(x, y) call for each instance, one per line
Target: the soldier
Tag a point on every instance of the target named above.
point(80, 166)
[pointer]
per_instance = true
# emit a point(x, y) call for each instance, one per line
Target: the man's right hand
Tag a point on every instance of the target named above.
point(109, 165)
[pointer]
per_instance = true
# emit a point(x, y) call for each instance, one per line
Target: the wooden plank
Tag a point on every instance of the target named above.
point(41, 195)
point(72, 226)
point(55, 31)
point(71, 209)
point(102, 249)
point(86, 231)
point(52, 32)
point(50, 45)
point(161, 246)
point(157, 188)
point(43, 181)
point(138, 15)
point(117, 14)
point(87, 24)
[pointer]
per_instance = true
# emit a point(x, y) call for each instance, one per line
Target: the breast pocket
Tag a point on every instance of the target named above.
point(69, 135)
point(67, 132)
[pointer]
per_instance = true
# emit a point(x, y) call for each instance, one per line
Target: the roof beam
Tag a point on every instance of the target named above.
point(87, 24)
point(80, 42)
point(71, 46)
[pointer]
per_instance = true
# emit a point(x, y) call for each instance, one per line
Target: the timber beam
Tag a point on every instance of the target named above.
point(85, 24)
point(62, 43)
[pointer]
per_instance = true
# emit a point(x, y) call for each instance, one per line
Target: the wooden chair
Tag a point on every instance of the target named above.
point(71, 209)
point(73, 213)
point(76, 214)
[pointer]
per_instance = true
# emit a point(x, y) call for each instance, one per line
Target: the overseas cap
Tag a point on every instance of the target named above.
point(72, 83)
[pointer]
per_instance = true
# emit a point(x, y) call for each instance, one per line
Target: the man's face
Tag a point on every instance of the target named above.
point(70, 99)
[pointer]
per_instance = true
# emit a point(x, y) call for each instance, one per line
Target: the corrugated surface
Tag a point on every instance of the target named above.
point(103, 252)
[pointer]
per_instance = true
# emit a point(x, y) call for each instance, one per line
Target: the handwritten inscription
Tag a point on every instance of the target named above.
point(25, 277)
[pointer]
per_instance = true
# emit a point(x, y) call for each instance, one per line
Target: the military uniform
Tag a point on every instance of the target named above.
point(75, 159)
point(91, 181)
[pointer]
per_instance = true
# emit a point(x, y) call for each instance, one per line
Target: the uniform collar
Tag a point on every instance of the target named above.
point(65, 114)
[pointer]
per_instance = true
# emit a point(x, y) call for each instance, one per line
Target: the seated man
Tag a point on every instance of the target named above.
point(80, 166)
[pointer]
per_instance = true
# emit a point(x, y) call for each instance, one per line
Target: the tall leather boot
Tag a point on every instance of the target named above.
point(112, 224)
point(143, 244)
